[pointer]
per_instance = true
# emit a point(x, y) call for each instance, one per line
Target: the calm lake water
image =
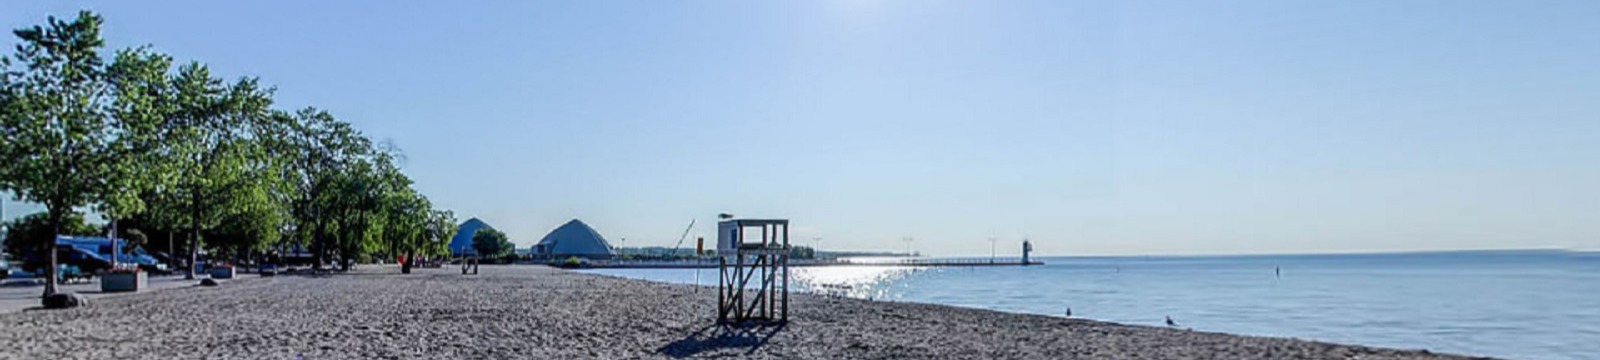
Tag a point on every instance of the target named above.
point(1520, 305)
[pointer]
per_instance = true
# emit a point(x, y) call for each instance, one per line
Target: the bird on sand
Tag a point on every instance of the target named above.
point(1069, 312)
point(1170, 322)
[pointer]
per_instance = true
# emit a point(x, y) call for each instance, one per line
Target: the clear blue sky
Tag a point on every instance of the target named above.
point(1154, 127)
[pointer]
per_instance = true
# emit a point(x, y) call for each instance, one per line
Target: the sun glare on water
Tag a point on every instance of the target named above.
point(864, 282)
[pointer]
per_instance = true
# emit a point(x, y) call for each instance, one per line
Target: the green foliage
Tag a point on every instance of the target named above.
point(141, 103)
point(802, 252)
point(440, 228)
point(29, 234)
point(414, 229)
point(358, 201)
point(223, 171)
point(178, 149)
point(60, 145)
point(491, 243)
point(134, 238)
point(251, 221)
point(328, 165)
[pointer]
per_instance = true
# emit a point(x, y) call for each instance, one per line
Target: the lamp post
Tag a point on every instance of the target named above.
point(2, 221)
point(112, 235)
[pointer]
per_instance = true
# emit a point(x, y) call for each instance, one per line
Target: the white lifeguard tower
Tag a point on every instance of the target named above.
point(744, 258)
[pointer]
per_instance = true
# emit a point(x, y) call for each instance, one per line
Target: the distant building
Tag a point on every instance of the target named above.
point(461, 244)
point(574, 239)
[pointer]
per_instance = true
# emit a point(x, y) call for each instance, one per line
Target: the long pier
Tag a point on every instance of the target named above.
point(910, 262)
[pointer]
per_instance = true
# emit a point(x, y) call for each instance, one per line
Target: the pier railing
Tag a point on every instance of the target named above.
point(885, 261)
point(961, 261)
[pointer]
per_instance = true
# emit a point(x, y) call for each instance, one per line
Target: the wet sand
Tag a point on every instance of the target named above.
point(534, 312)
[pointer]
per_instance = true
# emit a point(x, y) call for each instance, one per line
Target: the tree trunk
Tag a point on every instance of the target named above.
point(194, 236)
point(345, 260)
point(194, 252)
point(405, 265)
point(172, 252)
point(319, 245)
point(50, 250)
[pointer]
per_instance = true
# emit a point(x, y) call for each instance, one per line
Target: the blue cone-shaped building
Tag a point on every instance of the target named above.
point(461, 244)
point(573, 239)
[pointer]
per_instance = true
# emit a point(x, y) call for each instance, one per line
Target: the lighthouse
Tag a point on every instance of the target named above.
point(1027, 247)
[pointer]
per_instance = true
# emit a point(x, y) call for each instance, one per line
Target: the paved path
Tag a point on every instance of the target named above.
point(15, 298)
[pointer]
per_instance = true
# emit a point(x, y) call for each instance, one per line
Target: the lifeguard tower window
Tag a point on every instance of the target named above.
point(733, 235)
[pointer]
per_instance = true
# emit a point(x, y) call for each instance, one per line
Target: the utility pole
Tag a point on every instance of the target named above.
point(3, 220)
point(111, 235)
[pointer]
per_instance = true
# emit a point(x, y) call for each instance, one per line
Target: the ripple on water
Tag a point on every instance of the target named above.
point(1516, 306)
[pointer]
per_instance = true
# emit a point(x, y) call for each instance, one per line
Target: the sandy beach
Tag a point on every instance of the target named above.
point(534, 312)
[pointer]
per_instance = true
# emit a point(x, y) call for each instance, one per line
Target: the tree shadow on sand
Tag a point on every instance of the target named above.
point(721, 336)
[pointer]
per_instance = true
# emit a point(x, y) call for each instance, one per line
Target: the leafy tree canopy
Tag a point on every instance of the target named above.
point(491, 243)
point(169, 149)
point(29, 234)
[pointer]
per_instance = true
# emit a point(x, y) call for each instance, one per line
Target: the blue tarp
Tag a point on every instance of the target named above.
point(100, 249)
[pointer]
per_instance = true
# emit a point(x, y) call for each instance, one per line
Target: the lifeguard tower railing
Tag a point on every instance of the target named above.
point(753, 271)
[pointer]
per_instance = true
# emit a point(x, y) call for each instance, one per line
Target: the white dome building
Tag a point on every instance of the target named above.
point(574, 239)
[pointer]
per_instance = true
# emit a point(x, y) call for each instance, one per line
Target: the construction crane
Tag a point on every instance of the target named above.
point(681, 238)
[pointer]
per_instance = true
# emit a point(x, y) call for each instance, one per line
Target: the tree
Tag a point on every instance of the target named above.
point(408, 215)
point(212, 150)
point(356, 207)
point(142, 102)
point(250, 218)
point(319, 148)
point(135, 239)
point(802, 252)
point(160, 150)
point(58, 144)
point(425, 235)
point(29, 234)
point(491, 243)
point(441, 228)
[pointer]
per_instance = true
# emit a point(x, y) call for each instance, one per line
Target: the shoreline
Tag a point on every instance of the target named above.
point(519, 311)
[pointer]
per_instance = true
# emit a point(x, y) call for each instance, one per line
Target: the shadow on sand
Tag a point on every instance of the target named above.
point(722, 336)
